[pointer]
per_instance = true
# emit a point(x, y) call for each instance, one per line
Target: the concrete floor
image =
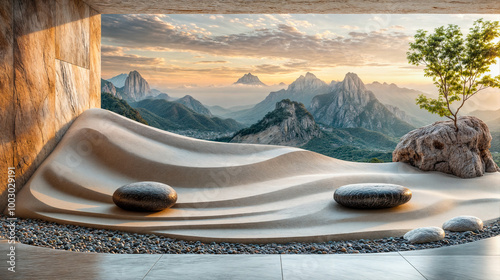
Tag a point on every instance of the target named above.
point(477, 260)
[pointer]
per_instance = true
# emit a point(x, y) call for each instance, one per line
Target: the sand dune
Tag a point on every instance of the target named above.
point(234, 192)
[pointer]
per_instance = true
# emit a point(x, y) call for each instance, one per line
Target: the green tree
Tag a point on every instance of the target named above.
point(458, 64)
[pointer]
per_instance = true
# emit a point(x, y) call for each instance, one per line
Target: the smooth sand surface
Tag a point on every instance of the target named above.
point(234, 192)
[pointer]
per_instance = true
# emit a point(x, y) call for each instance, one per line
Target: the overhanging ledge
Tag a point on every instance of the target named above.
point(295, 6)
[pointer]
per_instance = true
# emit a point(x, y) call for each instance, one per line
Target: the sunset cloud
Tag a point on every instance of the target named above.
point(283, 41)
point(211, 62)
point(218, 49)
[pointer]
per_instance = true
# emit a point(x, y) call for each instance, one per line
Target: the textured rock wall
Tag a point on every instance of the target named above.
point(72, 29)
point(34, 84)
point(95, 59)
point(6, 94)
point(50, 73)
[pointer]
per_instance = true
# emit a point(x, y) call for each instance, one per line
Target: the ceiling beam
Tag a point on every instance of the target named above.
point(295, 6)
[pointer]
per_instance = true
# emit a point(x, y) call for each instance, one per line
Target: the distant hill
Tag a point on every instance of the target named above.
point(119, 80)
point(194, 105)
point(249, 79)
point(486, 115)
point(171, 115)
point(289, 124)
point(402, 103)
point(119, 106)
point(156, 94)
point(219, 110)
point(494, 125)
point(350, 104)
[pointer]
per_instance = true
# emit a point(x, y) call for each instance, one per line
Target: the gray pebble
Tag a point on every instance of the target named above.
point(82, 239)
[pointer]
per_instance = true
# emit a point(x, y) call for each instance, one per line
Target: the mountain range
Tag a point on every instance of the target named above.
point(301, 90)
point(173, 116)
point(350, 114)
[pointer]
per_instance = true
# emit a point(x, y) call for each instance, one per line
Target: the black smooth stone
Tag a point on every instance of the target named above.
point(372, 196)
point(145, 196)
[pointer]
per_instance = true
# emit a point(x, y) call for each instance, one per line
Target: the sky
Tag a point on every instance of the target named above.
point(182, 53)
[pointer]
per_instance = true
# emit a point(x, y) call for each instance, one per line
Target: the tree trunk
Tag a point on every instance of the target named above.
point(455, 122)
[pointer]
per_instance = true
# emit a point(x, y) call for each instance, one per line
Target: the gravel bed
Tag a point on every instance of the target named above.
point(84, 239)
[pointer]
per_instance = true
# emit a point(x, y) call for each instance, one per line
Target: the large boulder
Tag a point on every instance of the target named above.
point(438, 147)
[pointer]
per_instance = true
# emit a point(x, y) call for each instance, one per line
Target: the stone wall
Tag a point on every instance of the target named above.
point(50, 68)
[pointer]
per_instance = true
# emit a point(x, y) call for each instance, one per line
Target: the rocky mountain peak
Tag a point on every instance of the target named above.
point(136, 87)
point(289, 124)
point(249, 79)
point(350, 104)
point(352, 83)
point(310, 76)
point(308, 82)
point(107, 86)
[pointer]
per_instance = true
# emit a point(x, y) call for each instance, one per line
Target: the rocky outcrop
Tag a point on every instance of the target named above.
point(249, 79)
point(108, 87)
point(289, 124)
point(350, 104)
point(136, 87)
point(194, 105)
point(438, 147)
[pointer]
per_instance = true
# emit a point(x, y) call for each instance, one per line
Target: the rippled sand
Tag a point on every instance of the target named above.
point(234, 192)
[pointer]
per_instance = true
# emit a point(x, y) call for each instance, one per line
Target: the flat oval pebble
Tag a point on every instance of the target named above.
point(372, 196)
point(463, 223)
point(425, 235)
point(145, 196)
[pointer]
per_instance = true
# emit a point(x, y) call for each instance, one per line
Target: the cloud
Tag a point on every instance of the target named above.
point(149, 32)
point(349, 27)
point(113, 57)
point(400, 27)
point(211, 62)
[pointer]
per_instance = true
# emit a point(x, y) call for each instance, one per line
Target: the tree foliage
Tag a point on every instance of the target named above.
point(458, 64)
